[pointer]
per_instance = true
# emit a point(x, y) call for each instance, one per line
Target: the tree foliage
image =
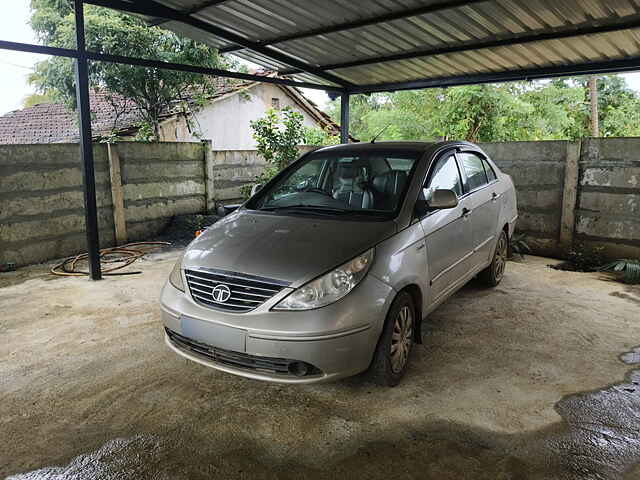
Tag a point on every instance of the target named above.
point(152, 91)
point(544, 110)
point(319, 136)
point(277, 135)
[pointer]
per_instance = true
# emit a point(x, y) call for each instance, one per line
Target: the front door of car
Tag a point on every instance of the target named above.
point(448, 231)
point(481, 189)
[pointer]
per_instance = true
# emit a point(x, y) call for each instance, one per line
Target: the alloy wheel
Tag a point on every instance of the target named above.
point(501, 256)
point(401, 339)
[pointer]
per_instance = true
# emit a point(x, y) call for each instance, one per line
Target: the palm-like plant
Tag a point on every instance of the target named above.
point(629, 268)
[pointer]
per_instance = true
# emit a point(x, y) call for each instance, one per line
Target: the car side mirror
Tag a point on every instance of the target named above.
point(442, 199)
point(255, 188)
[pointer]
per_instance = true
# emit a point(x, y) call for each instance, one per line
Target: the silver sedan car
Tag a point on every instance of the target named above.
point(328, 270)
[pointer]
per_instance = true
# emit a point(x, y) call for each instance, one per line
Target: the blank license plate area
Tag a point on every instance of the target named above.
point(213, 334)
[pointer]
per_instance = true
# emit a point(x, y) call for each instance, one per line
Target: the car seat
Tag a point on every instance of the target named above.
point(387, 188)
point(350, 187)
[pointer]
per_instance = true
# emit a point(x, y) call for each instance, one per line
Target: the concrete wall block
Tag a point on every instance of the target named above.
point(618, 176)
point(611, 248)
point(229, 193)
point(43, 250)
point(132, 172)
point(48, 203)
point(534, 173)
point(545, 223)
point(49, 155)
point(34, 180)
point(146, 230)
point(141, 191)
point(526, 152)
point(619, 150)
point(238, 157)
point(611, 203)
point(164, 151)
point(45, 226)
point(166, 208)
point(605, 226)
point(245, 174)
point(540, 199)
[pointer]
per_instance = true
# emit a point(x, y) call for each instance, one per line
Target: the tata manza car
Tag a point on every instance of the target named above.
point(329, 268)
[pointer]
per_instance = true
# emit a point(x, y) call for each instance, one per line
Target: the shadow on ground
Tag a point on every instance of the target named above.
point(599, 437)
point(90, 392)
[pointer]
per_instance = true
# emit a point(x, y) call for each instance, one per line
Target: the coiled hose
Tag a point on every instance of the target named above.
point(121, 256)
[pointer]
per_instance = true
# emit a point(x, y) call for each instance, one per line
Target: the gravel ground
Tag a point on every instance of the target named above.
point(533, 379)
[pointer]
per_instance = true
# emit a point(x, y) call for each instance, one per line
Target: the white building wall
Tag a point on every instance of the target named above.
point(226, 121)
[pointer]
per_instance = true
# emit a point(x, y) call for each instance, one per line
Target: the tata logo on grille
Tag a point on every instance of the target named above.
point(221, 293)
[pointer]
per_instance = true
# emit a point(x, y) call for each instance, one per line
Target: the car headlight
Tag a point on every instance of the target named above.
point(175, 278)
point(330, 287)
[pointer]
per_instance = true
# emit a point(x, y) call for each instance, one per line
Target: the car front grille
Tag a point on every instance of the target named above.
point(271, 365)
point(246, 291)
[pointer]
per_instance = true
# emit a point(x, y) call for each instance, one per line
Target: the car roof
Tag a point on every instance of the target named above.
point(394, 145)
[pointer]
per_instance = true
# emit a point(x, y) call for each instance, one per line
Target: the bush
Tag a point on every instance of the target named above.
point(278, 135)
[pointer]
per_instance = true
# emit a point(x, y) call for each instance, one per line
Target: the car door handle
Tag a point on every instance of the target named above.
point(494, 196)
point(466, 212)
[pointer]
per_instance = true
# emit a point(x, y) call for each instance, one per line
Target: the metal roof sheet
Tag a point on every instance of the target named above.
point(379, 42)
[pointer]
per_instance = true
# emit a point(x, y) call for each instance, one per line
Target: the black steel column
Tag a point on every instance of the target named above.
point(86, 149)
point(344, 117)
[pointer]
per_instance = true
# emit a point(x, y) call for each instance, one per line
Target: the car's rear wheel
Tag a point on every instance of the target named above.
point(392, 354)
point(492, 275)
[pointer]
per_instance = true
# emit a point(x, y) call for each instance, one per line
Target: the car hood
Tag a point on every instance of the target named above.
point(293, 249)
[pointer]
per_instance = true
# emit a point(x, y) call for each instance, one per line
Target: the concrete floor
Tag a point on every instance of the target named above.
point(88, 390)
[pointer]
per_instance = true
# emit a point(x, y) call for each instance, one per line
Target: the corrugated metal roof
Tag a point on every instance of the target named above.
point(377, 42)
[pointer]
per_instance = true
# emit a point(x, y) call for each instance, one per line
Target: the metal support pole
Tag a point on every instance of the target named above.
point(86, 149)
point(344, 117)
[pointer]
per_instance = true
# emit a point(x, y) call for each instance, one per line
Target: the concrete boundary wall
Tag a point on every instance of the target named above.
point(608, 205)
point(41, 199)
point(538, 172)
point(569, 193)
point(229, 170)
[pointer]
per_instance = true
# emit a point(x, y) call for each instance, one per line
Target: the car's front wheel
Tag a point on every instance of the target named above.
point(391, 357)
point(492, 275)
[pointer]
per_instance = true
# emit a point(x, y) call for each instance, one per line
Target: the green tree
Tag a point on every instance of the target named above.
point(36, 98)
point(277, 135)
point(151, 91)
point(318, 136)
point(541, 110)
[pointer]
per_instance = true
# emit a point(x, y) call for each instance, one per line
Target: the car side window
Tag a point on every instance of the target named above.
point(474, 170)
point(491, 175)
point(445, 175)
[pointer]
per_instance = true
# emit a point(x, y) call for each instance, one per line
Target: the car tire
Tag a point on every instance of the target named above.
point(394, 347)
point(492, 275)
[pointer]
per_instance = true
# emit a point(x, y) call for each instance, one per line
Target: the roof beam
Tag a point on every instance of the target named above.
point(152, 8)
point(198, 8)
point(41, 49)
point(478, 45)
point(610, 66)
point(142, 62)
point(387, 17)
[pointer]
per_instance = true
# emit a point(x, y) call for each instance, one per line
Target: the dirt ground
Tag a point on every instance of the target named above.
point(533, 379)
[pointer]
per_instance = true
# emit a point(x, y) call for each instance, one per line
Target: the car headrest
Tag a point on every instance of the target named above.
point(346, 171)
point(391, 182)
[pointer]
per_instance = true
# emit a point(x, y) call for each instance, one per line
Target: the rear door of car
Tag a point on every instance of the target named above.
point(447, 232)
point(481, 194)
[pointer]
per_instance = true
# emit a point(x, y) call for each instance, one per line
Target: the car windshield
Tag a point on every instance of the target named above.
point(341, 183)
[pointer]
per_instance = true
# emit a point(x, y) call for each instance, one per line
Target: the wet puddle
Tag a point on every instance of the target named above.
point(598, 438)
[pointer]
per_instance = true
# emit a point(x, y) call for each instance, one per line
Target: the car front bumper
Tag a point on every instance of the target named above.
point(335, 341)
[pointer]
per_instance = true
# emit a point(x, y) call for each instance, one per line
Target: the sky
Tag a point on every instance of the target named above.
point(16, 66)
